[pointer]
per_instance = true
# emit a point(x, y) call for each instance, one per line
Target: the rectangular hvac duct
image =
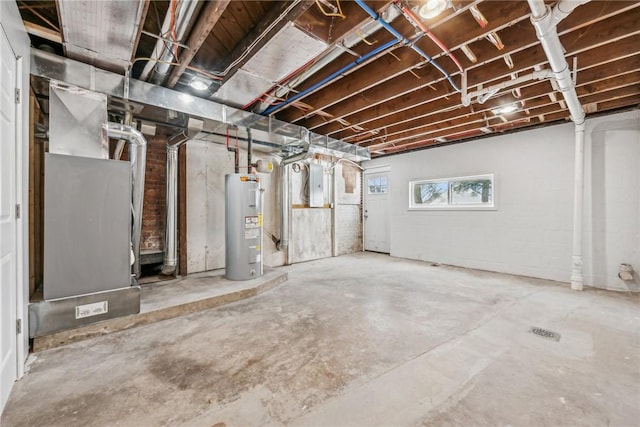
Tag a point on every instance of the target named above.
point(101, 33)
point(287, 51)
point(163, 103)
point(77, 117)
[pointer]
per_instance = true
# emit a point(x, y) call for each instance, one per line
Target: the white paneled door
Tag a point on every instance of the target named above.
point(376, 211)
point(8, 230)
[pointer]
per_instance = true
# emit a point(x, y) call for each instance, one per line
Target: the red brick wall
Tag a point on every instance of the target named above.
point(153, 212)
point(154, 192)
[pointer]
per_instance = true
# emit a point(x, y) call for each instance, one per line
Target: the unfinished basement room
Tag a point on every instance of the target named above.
point(325, 213)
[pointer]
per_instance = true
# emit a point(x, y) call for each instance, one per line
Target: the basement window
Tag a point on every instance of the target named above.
point(467, 192)
point(378, 185)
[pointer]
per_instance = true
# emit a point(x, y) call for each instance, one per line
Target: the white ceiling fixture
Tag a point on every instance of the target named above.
point(505, 109)
point(432, 8)
point(199, 84)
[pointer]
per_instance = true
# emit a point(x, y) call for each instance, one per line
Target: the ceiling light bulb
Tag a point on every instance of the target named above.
point(432, 8)
point(198, 84)
point(505, 109)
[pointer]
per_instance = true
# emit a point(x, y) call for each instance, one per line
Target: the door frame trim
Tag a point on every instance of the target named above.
point(369, 171)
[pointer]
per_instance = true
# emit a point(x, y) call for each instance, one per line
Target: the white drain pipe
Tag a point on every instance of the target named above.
point(545, 21)
point(138, 159)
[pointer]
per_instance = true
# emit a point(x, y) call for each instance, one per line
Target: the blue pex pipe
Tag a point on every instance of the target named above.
point(402, 39)
point(333, 76)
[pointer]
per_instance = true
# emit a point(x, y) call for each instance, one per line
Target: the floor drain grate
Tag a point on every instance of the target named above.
point(545, 333)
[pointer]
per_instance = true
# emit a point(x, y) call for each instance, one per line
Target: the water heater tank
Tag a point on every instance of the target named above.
point(243, 227)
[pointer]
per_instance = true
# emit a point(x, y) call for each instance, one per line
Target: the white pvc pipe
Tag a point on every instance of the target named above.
point(545, 20)
point(334, 213)
point(576, 259)
point(494, 89)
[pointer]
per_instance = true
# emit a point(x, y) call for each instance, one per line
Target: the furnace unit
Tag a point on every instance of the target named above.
point(243, 231)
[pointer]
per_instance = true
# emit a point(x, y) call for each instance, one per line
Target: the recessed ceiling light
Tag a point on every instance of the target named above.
point(505, 109)
point(432, 8)
point(199, 84)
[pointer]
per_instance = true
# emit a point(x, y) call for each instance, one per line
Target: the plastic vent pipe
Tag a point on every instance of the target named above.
point(545, 21)
point(403, 40)
point(138, 159)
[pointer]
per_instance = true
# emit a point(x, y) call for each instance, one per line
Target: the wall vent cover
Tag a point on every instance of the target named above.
point(545, 333)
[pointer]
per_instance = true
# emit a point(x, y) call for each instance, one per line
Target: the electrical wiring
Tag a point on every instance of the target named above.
point(174, 6)
point(346, 160)
point(379, 50)
point(258, 39)
point(189, 67)
point(288, 77)
point(339, 14)
point(364, 40)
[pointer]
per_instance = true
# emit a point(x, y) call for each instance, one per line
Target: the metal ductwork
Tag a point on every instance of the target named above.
point(287, 51)
point(286, 158)
point(170, 106)
point(354, 37)
point(171, 223)
point(283, 242)
point(157, 69)
point(101, 33)
point(545, 21)
point(137, 157)
point(171, 220)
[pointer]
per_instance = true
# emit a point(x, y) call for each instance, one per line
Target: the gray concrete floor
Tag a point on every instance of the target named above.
point(363, 339)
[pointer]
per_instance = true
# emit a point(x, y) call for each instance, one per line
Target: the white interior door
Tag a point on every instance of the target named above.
point(376, 211)
point(8, 230)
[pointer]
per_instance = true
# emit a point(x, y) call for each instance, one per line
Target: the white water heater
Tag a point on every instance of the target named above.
point(243, 227)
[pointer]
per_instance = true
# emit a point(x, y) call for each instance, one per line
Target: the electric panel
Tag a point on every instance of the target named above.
point(316, 186)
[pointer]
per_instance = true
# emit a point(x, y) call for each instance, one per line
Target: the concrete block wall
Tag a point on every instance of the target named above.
point(612, 200)
point(207, 164)
point(310, 234)
point(530, 231)
point(348, 229)
point(348, 208)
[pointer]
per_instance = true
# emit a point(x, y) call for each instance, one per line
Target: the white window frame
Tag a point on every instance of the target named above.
point(449, 205)
point(377, 193)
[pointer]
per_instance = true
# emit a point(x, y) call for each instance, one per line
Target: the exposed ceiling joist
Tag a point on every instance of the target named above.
point(275, 19)
point(43, 32)
point(211, 13)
